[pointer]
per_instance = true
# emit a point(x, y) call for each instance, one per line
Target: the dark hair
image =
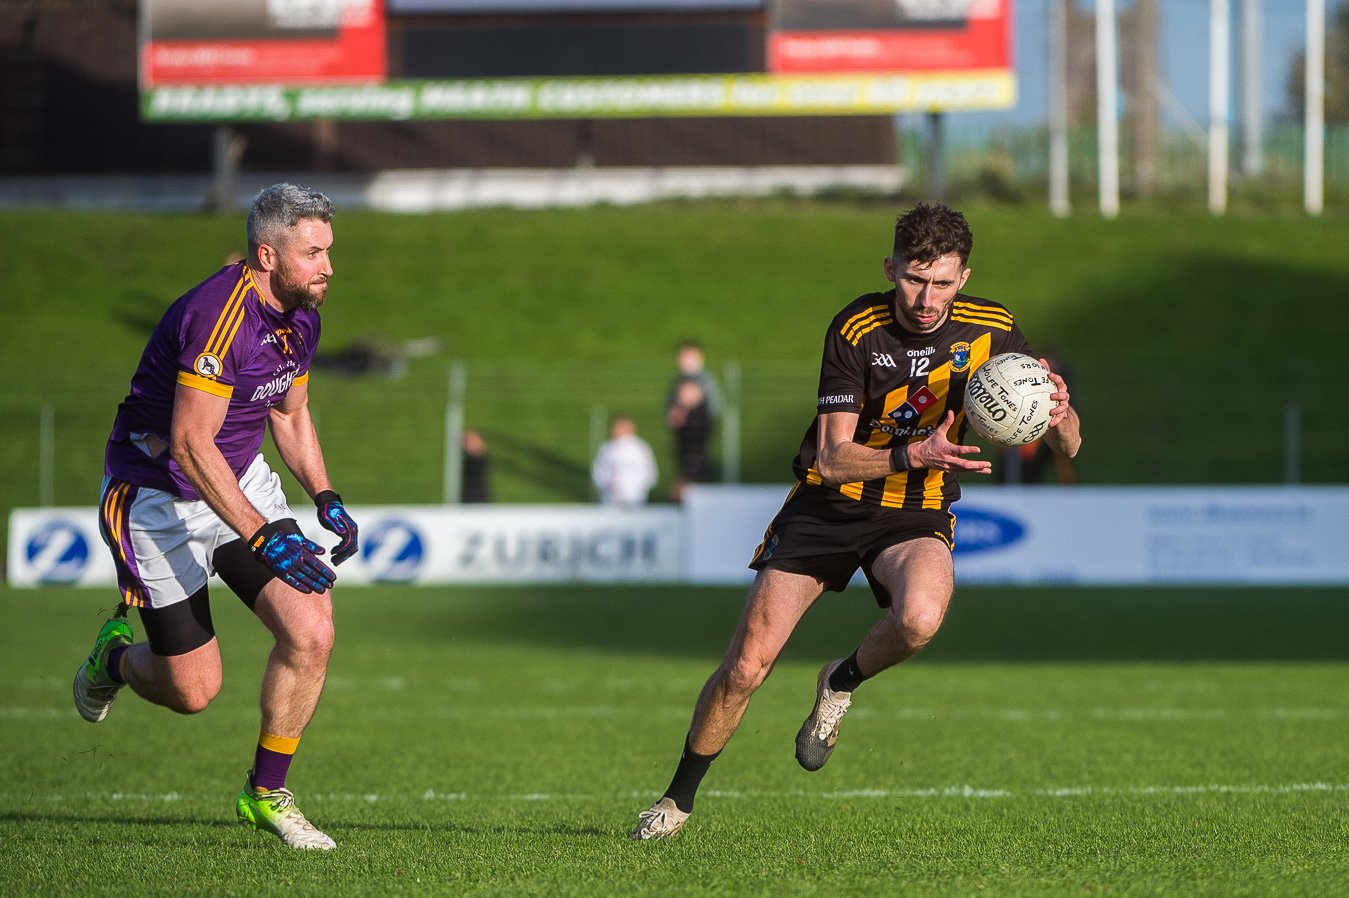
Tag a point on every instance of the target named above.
point(927, 232)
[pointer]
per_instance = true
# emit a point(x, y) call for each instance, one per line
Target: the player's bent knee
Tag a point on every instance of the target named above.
point(917, 623)
point(192, 698)
point(746, 674)
point(315, 640)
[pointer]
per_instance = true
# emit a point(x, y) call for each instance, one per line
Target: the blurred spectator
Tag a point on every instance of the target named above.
point(475, 486)
point(625, 467)
point(690, 412)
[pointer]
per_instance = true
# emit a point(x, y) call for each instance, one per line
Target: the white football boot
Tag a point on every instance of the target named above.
point(660, 821)
point(815, 740)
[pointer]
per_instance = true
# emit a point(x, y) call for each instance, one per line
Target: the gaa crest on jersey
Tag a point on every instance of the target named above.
point(960, 356)
point(207, 365)
point(921, 400)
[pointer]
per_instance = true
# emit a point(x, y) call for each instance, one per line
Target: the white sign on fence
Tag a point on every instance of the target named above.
point(1273, 536)
point(408, 544)
point(1087, 535)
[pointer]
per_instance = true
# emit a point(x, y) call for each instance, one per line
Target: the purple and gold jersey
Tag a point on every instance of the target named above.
point(901, 385)
point(220, 337)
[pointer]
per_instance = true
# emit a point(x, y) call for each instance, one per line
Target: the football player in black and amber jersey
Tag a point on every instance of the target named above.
point(876, 475)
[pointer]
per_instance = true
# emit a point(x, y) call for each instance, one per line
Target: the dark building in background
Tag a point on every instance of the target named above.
point(69, 100)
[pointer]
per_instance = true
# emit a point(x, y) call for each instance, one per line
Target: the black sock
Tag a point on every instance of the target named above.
point(847, 676)
point(688, 775)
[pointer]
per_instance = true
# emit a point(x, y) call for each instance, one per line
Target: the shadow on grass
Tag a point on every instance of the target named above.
point(984, 624)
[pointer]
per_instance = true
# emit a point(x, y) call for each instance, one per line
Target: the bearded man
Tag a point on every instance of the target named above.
point(187, 493)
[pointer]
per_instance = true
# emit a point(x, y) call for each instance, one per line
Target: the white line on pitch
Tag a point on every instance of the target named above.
point(450, 711)
point(940, 792)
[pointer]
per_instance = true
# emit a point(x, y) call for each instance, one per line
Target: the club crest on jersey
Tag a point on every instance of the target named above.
point(960, 356)
point(921, 400)
point(207, 365)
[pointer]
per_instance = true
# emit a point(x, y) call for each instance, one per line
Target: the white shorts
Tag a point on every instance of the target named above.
point(163, 546)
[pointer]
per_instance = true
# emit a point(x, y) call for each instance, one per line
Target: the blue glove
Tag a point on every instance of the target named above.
point(292, 558)
point(333, 517)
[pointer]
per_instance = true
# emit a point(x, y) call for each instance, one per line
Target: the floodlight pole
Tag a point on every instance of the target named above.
point(1059, 202)
point(1107, 113)
point(1219, 97)
point(1313, 189)
point(1252, 114)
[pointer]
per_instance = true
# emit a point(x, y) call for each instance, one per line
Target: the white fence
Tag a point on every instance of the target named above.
point(1273, 536)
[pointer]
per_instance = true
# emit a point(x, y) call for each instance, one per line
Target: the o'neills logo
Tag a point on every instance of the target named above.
point(275, 387)
point(836, 399)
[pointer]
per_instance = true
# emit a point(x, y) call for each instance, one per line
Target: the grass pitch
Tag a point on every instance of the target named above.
point(478, 741)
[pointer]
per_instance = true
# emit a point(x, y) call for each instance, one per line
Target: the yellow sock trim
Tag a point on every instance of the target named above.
point(285, 745)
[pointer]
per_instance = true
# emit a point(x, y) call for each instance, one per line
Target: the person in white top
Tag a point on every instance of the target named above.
point(625, 467)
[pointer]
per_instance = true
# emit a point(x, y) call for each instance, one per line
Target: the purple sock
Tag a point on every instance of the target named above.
point(272, 761)
point(113, 663)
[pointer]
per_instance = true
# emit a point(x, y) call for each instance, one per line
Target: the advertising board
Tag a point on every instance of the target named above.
point(292, 42)
point(1253, 536)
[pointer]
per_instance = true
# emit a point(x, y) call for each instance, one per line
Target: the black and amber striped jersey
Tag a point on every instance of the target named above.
point(901, 385)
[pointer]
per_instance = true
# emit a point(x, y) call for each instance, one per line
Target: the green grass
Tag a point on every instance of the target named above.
point(501, 741)
point(1188, 337)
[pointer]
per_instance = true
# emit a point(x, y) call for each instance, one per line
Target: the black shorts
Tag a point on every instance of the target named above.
point(829, 536)
point(186, 626)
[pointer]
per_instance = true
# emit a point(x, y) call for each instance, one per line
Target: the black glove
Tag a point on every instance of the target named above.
point(333, 517)
point(292, 558)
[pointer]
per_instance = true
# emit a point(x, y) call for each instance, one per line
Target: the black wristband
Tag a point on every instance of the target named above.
point(264, 533)
point(323, 497)
point(899, 458)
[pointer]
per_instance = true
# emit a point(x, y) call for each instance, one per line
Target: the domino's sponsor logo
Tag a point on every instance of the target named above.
point(57, 552)
point(393, 551)
point(979, 530)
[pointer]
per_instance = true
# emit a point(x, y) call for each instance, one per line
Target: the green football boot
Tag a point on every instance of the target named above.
point(94, 690)
point(274, 810)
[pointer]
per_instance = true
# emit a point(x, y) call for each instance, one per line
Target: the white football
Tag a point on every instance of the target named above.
point(1007, 399)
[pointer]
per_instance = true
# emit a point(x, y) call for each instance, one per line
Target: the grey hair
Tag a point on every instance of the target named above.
point(279, 208)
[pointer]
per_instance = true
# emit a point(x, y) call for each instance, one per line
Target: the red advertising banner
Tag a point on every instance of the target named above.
point(287, 42)
point(818, 36)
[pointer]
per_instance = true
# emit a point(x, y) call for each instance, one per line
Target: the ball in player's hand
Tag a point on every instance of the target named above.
point(1007, 399)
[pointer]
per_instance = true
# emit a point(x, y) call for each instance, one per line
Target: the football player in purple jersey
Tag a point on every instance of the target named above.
point(187, 493)
point(877, 473)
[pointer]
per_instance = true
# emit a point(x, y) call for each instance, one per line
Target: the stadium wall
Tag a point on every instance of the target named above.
point(1116, 536)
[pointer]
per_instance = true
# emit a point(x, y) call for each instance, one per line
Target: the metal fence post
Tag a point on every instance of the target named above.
point(730, 425)
point(1292, 442)
point(454, 434)
point(599, 429)
point(46, 455)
